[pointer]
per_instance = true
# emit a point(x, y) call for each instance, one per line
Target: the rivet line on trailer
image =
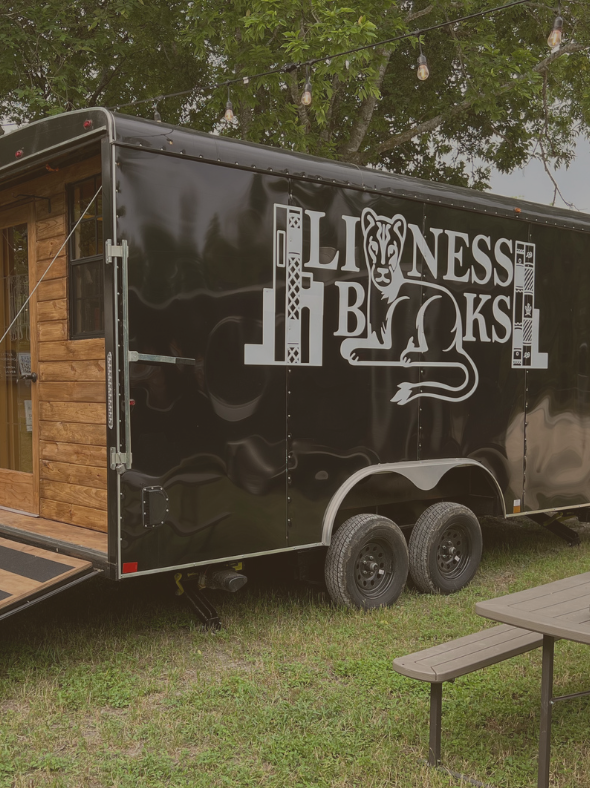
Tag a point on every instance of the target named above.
point(74, 228)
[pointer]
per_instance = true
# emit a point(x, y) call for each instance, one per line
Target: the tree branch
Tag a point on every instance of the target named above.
point(326, 133)
point(417, 14)
point(349, 150)
point(106, 77)
point(365, 115)
point(556, 189)
point(438, 120)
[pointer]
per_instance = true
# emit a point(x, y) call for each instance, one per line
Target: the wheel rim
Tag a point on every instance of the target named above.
point(374, 568)
point(453, 554)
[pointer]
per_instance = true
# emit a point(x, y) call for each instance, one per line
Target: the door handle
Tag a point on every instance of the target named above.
point(32, 376)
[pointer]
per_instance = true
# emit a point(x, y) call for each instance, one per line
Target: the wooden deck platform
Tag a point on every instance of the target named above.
point(29, 574)
point(56, 536)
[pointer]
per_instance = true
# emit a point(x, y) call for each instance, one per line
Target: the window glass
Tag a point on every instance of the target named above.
point(16, 425)
point(85, 241)
point(87, 298)
point(86, 262)
point(89, 232)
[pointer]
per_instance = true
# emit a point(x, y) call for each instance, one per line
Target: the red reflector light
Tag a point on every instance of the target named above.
point(130, 568)
point(87, 124)
point(19, 153)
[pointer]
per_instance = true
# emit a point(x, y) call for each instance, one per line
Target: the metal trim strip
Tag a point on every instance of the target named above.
point(507, 213)
point(133, 355)
point(227, 560)
point(27, 603)
point(435, 469)
point(544, 511)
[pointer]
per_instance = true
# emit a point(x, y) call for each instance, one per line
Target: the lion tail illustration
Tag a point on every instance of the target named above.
point(407, 392)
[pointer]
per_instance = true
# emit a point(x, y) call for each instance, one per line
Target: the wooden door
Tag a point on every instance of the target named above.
point(19, 445)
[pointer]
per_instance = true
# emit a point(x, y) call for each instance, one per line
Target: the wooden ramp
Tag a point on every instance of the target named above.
point(29, 574)
point(55, 536)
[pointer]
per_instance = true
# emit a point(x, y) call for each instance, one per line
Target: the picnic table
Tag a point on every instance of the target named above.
point(556, 610)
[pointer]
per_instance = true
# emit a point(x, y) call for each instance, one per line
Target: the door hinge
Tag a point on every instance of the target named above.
point(120, 460)
point(112, 250)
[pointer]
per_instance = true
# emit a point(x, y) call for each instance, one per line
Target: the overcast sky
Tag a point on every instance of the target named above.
point(532, 183)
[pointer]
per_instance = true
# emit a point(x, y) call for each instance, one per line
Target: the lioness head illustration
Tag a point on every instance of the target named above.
point(383, 242)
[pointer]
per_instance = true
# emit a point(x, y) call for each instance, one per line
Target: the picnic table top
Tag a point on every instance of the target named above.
point(560, 609)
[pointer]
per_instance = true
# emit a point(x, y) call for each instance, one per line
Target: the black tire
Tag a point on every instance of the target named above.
point(445, 548)
point(367, 562)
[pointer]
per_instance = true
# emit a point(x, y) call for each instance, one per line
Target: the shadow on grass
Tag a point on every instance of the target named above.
point(100, 610)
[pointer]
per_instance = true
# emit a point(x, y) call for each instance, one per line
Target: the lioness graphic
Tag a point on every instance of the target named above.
point(435, 340)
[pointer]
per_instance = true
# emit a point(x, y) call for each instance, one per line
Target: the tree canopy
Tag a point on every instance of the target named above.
point(496, 94)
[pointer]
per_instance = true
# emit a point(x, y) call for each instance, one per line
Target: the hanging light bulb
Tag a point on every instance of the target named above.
point(554, 39)
point(157, 116)
point(229, 109)
point(306, 95)
point(423, 71)
point(229, 112)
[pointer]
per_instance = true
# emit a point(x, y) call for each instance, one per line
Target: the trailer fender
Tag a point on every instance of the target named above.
point(423, 474)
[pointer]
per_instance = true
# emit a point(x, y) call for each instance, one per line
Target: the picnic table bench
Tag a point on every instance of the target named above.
point(455, 658)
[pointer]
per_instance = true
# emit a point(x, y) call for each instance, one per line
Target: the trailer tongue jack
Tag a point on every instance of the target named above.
point(192, 586)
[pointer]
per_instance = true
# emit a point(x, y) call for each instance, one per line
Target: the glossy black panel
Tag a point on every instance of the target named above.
point(215, 148)
point(331, 329)
point(558, 397)
point(475, 265)
point(211, 434)
point(341, 417)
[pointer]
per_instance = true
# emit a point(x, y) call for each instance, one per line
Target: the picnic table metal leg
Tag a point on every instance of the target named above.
point(546, 708)
point(435, 723)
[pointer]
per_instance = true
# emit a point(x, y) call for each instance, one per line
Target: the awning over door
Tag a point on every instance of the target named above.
point(29, 574)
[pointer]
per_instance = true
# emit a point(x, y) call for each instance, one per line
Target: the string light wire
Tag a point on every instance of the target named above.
point(289, 67)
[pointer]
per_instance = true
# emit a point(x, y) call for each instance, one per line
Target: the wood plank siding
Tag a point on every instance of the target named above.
point(71, 384)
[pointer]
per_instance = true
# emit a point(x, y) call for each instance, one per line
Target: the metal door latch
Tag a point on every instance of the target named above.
point(119, 460)
point(112, 250)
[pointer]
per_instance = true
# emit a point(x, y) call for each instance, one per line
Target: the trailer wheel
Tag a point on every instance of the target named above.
point(367, 562)
point(445, 548)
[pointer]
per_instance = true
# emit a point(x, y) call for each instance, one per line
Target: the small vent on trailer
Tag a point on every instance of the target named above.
point(154, 505)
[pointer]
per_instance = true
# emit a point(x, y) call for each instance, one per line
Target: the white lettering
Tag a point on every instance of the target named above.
point(483, 259)
point(456, 256)
point(504, 261)
point(351, 223)
point(345, 308)
point(314, 244)
point(421, 245)
point(473, 315)
point(502, 318)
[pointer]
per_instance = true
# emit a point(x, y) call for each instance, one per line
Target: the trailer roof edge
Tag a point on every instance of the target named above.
point(24, 148)
point(167, 139)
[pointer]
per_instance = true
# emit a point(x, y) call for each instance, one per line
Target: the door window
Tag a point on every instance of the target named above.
point(16, 424)
point(86, 267)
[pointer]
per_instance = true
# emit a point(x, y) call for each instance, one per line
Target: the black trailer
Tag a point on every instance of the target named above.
point(233, 351)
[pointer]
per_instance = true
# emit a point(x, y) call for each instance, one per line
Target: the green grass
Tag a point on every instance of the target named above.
point(115, 685)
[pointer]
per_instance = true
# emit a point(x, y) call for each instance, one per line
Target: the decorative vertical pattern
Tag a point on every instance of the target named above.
point(293, 294)
point(525, 327)
point(282, 342)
